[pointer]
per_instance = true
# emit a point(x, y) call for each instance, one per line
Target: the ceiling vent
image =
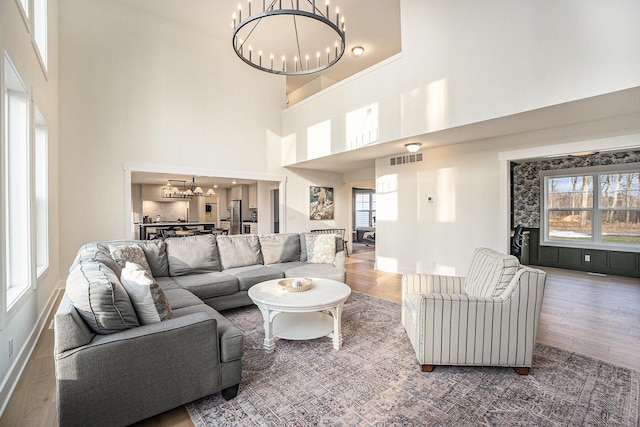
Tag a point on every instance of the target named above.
point(409, 158)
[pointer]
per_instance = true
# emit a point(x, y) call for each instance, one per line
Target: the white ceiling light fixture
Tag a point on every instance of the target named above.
point(357, 51)
point(294, 38)
point(412, 147)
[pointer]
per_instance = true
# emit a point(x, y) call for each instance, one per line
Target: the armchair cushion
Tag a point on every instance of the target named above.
point(490, 273)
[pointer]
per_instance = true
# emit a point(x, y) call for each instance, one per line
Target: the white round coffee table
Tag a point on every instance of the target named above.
point(306, 315)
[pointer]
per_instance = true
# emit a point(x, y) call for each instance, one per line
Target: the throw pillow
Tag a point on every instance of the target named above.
point(96, 293)
point(321, 248)
point(132, 253)
point(148, 299)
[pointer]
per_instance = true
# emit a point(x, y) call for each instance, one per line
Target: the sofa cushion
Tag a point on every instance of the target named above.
point(277, 248)
point(96, 254)
point(192, 254)
point(148, 299)
point(98, 296)
point(250, 275)
point(208, 285)
point(154, 250)
point(321, 248)
point(129, 253)
point(180, 298)
point(326, 271)
point(239, 250)
point(230, 336)
point(490, 273)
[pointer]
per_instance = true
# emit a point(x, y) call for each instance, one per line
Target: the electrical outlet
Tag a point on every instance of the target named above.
point(10, 347)
point(587, 258)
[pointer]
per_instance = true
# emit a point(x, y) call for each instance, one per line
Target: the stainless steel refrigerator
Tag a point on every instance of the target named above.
point(235, 209)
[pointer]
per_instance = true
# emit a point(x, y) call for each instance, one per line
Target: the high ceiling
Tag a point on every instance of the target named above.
point(374, 25)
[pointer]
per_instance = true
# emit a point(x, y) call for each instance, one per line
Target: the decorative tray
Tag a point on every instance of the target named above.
point(296, 285)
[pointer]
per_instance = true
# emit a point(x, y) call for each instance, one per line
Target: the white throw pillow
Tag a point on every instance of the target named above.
point(149, 302)
point(132, 253)
point(321, 248)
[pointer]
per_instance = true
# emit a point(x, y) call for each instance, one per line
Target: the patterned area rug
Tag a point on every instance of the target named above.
point(375, 380)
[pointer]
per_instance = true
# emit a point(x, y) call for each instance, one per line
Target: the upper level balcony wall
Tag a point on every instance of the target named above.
point(468, 62)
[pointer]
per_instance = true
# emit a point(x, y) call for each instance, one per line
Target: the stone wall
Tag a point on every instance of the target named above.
point(526, 181)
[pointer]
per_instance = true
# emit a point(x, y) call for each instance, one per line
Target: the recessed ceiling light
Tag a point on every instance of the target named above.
point(358, 50)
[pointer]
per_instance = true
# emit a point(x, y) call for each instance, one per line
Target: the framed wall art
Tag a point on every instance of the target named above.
point(320, 203)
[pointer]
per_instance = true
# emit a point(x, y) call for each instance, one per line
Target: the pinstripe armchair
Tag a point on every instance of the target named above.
point(489, 318)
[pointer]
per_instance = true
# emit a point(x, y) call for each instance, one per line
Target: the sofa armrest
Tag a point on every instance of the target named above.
point(142, 371)
point(413, 283)
point(341, 260)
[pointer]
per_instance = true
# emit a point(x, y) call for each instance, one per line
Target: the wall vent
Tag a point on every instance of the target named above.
point(409, 158)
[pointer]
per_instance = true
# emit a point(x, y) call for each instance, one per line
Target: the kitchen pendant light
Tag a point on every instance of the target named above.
point(178, 189)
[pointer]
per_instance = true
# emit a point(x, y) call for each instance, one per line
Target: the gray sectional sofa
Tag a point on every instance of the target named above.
point(113, 370)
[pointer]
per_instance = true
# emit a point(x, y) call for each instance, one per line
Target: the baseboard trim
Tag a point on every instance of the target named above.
point(10, 381)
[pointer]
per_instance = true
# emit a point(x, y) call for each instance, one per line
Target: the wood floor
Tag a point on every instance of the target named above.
point(591, 315)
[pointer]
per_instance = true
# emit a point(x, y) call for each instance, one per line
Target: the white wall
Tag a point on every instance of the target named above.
point(462, 63)
point(469, 189)
point(27, 320)
point(465, 62)
point(139, 89)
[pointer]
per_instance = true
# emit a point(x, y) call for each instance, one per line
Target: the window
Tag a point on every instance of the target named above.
point(595, 207)
point(42, 192)
point(16, 198)
point(40, 29)
point(364, 202)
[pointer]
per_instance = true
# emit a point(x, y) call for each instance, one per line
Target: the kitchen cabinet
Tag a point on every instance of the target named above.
point(253, 197)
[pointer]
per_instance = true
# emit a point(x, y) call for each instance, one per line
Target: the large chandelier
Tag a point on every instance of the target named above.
point(178, 189)
point(292, 39)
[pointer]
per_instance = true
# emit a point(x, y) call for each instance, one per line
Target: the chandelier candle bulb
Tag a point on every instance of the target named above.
point(249, 7)
point(271, 57)
point(260, 58)
point(239, 13)
point(284, 63)
point(337, 16)
point(327, 8)
point(249, 53)
point(318, 59)
point(328, 57)
point(307, 59)
point(295, 61)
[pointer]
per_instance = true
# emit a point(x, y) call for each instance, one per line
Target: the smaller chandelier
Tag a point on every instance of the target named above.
point(295, 39)
point(178, 189)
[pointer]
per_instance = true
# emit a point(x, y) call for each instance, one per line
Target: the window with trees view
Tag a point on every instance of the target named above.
point(597, 207)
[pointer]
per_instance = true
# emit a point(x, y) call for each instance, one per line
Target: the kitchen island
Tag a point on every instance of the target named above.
point(153, 230)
